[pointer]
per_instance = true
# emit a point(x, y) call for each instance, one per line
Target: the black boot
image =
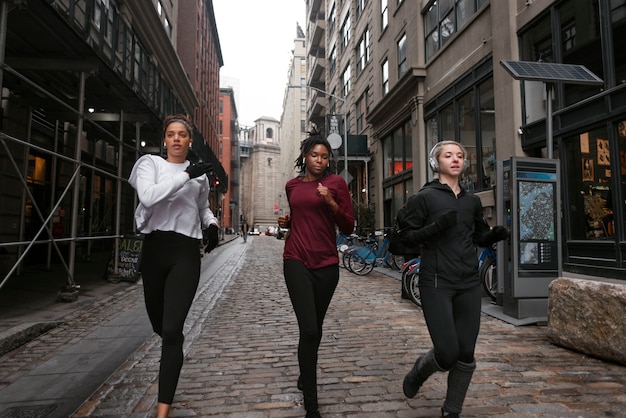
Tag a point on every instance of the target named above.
point(314, 414)
point(459, 379)
point(300, 386)
point(422, 369)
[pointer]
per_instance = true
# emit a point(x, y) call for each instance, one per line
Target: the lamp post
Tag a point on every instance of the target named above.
point(345, 124)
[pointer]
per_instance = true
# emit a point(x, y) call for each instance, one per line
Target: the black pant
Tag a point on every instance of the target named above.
point(170, 268)
point(310, 292)
point(453, 321)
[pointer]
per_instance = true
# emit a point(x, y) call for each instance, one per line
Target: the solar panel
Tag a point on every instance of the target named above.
point(550, 72)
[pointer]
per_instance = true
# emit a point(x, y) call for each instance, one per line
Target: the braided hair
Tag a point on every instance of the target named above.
point(314, 138)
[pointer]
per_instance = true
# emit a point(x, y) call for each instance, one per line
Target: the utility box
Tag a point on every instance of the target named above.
point(529, 204)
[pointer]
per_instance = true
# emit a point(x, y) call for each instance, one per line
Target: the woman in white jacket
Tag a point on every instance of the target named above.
point(174, 207)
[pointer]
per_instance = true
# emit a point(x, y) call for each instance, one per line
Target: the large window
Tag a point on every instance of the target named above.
point(470, 119)
point(398, 161)
point(443, 18)
point(588, 171)
point(578, 40)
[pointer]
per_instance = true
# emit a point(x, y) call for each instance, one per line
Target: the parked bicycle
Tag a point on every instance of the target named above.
point(487, 260)
point(362, 260)
point(410, 280)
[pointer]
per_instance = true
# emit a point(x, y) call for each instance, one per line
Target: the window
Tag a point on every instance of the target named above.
point(332, 18)
point(345, 77)
point(384, 15)
point(269, 133)
point(345, 33)
point(360, 5)
point(303, 105)
point(332, 61)
point(102, 18)
point(385, 76)
point(588, 174)
point(443, 18)
point(397, 160)
point(362, 107)
point(402, 65)
point(363, 52)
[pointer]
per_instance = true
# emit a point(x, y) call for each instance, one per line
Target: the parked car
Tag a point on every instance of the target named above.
point(281, 232)
point(254, 231)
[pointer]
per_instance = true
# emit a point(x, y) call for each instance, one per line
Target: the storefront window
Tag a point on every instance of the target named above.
point(488, 133)
point(589, 178)
point(467, 137)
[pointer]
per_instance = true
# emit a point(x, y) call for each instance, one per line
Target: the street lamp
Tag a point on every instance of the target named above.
point(345, 124)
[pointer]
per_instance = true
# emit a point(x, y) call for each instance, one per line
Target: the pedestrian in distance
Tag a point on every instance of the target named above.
point(319, 202)
point(448, 222)
point(244, 231)
point(173, 208)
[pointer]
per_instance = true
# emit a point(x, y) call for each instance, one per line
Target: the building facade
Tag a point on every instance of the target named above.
point(413, 73)
point(85, 88)
point(228, 129)
point(261, 174)
point(293, 121)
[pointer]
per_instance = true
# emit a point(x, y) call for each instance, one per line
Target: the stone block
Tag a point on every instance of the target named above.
point(588, 316)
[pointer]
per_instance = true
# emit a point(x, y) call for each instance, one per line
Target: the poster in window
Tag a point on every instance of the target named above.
point(587, 164)
point(602, 151)
point(584, 143)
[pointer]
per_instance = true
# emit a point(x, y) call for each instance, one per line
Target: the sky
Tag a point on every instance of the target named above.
point(257, 40)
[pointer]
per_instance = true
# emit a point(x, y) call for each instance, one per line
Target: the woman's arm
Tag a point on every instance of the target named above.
point(143, 178)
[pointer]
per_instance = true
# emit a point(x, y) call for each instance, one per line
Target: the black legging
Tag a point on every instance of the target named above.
point(170, 268)
point(310, 292)
point(453, 321)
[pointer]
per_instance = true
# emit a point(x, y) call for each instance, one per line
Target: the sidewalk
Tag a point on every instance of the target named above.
point(243, 363)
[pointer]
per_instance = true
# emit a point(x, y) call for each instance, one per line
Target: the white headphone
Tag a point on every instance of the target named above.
point(434, 162)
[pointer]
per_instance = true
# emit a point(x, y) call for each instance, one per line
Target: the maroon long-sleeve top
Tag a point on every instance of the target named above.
point(312, 239)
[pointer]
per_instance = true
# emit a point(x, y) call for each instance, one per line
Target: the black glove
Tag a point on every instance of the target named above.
point(212, 238)
point(499, 233)
point(196, 170)
point(446, 220)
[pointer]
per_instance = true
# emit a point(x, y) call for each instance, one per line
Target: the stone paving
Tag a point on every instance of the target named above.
point(241, 357)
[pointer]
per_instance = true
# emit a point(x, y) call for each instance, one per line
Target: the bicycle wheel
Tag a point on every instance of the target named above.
point(407, 269)
point(412, 286)
point(344, 259)
point(489, 277)
point(397, 261)
point(357, 264)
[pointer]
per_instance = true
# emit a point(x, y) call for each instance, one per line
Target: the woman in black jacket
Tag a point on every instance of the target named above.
point(448, 222)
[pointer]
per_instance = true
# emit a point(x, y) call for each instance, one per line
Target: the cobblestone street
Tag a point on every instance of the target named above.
point(241, 356)
point(243, 361)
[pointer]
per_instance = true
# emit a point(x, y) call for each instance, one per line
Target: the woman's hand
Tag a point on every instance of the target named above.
point(284, 221)
point(325, 193)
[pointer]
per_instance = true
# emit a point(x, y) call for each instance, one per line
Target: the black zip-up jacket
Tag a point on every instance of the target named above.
point(449, 258)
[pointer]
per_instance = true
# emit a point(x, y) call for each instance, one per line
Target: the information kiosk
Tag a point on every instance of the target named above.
point(528, 202)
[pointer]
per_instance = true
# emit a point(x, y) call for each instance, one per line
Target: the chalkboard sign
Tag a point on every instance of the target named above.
point(129, 258)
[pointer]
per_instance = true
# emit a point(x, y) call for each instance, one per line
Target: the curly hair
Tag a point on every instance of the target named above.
point(314, 138)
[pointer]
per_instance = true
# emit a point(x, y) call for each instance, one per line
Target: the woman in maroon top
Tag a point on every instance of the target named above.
point(318, 201)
